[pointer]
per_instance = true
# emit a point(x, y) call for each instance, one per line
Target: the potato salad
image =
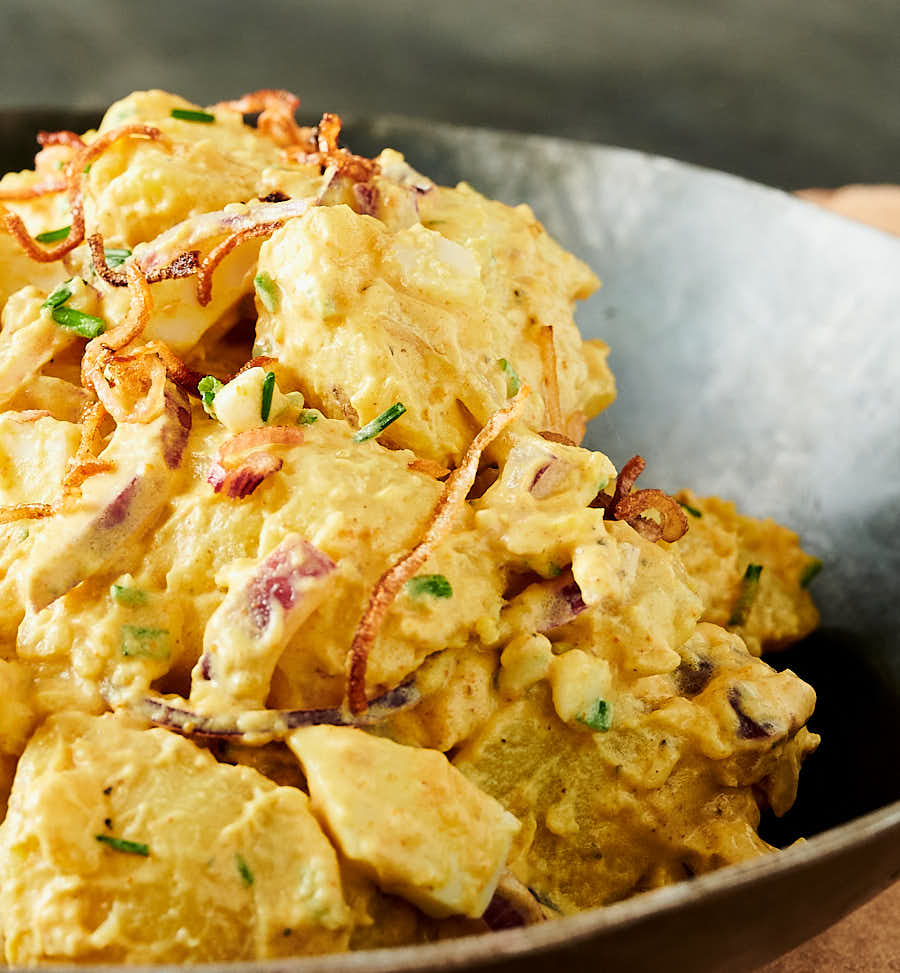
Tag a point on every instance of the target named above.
point(319, 629)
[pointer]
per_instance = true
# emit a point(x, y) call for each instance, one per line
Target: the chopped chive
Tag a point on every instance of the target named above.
point(190, 115)
point(435, 585)
point(87, 168)
point(267, 290)
point(82, 324)
point(380, 423)
point(121, 844)
point(307, 417)
point(553, 570)
point(544, 899)
point(116, 256)
point(749, 588)
point(598, 716)
point(810, 572)
point(52, 236)
point(146, 643)
point(693, 511)
point(209, 387)
point(243, 870)
point(128, 596)
point(512, 379)
point(268, 390)
point(59, 296)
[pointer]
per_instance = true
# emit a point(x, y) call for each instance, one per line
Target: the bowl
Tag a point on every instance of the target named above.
point(754, 343)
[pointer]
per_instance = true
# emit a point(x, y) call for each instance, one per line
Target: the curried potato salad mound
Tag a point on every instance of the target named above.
point(319, 630)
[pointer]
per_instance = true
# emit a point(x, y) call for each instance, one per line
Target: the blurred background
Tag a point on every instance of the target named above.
point(787, 92)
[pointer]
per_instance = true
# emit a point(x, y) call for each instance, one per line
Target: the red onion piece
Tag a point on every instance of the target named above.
point(128, 498)
point(564, 602)
point(263, 726)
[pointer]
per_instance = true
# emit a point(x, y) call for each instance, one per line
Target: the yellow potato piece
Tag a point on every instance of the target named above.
point(716, 551)
point(222, 864)
point(406, 817)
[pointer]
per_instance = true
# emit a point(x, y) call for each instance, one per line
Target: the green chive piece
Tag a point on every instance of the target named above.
point(59, 296)
point(693, 511)
point(145, 643)
point(87, 168)
point(128, 596)
point(749, 588)
point(82, 324)
point(435, 585)
point(116, 256)
point(512, 379)
point(267, 290)
point(209, 387)
point(380, 423)
point(268, 390)
point(544, 899)
point(53, 236)
point(244, 870)
point(121, 844)
point(307, 417)
point(810, 571)
point(598, 716)
point(190, 115)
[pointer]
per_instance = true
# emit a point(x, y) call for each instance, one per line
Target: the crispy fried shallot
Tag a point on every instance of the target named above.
point(260, 361)
point(547, 349)
point(84, 463)
point(276, 119)
point(221, 250)
point(245, 478)
point(75, 173)
point(557, 437)
point(237, 474)
point(354, 167)
point(184, 265)
point(429, 467)
point(631, 506)
point(99, 365)
point(131, 387)
point(243, 442)
point(181, 374)
point(26, 511)
point(443, 519)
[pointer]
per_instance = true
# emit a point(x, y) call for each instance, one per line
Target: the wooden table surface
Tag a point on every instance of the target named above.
point(866, 941)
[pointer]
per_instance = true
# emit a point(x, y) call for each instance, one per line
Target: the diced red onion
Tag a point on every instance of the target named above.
point(564, 602)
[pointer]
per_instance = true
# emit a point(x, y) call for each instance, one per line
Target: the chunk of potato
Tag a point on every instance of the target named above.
point(219, 863)
point(407, 818)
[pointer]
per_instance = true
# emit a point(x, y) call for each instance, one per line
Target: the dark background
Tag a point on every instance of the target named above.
point(788, 92)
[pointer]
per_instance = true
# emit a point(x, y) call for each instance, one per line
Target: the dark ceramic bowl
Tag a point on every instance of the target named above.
point(756, 344)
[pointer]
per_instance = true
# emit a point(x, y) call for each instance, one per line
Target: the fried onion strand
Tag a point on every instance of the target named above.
point(221, 250)
point(443, 519)
point(75, 173)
